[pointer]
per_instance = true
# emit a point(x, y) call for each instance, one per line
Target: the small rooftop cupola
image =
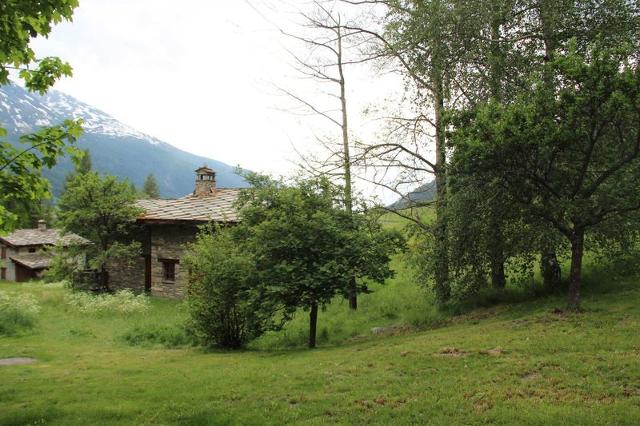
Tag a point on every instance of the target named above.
point(42, 225)
point(205, 182)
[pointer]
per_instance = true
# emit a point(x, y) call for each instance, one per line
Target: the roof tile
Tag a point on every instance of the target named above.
point(217, 207)
point(35, 237)
point(33, 260)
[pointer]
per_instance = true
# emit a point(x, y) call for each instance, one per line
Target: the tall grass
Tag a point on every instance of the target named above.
point(124, 302)
point(18, 313)
point(398, 305)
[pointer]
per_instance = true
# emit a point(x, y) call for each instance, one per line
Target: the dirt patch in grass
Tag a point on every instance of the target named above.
point(531, 376)
point(17, 361)
point(497, 351)
point(452, 352)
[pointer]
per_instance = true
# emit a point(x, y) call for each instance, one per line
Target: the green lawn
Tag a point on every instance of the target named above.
point(510, 364)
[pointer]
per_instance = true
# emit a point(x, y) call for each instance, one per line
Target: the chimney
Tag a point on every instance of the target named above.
point(205, 182)
point(42, 225)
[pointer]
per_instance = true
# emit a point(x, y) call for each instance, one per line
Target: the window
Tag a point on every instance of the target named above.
point(3, 253)
point(32, 249)
point(3, 273)
point(168, 269)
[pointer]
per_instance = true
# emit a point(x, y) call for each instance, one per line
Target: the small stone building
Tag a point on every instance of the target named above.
point(24, 253)
point(166, 226)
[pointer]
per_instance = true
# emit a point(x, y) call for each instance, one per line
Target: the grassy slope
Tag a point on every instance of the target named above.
point(554, 368)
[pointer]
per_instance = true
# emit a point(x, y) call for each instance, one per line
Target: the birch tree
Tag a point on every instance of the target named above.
point(327, 38)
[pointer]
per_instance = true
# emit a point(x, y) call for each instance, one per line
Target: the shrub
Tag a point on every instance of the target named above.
point(223, 303)
point(124, 301)
point(63, 265)
point(159, 335)
point(18, 312)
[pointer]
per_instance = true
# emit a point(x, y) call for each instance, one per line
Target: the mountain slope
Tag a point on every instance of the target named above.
point(421, 195)
point(115, 148)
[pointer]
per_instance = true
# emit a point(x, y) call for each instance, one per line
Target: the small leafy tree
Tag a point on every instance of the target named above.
point(225, 304)
point(306, 247)
point(102, 210)
point(150, 188)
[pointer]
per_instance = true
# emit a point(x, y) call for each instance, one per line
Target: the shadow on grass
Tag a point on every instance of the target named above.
point(33, 416)
point(598, 279)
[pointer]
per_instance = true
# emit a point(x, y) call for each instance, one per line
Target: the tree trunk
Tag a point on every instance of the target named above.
point(496, 79)
point(353, 294)
point(498, 278)
point(495, 241)
point(550, 269)
point(442, 285)
point(575, 277)
point(346, 157)
point(313, 325)
point(104, 279)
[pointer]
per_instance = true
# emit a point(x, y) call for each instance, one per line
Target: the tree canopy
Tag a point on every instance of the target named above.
point(102, 210)
point(568, 154)
point(307, 248)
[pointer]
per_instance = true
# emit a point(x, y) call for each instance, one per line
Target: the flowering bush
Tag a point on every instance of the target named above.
point(17, 312)
point(124, 301)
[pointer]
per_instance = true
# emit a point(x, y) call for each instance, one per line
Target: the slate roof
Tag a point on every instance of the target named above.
point(33, 260)
point(216, 207)
point(35, 237)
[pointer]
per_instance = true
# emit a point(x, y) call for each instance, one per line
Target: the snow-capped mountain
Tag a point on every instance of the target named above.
point(115, 148)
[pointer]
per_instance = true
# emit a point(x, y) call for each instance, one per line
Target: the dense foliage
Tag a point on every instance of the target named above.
point(569, 156)
point(224, 298)
point(295, 247)
point(101, 209)
point(307, 248)
point(540, 77)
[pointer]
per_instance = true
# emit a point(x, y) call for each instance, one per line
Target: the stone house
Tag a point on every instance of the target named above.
point(165, 227)
point(24, 253)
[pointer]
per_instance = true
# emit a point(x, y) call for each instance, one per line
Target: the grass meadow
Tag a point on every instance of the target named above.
point(509, 363)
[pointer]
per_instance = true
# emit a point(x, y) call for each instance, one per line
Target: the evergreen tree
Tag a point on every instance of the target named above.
point(83, 166)
point(150, 188)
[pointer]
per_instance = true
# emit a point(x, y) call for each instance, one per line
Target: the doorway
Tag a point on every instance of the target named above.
point(147, 273)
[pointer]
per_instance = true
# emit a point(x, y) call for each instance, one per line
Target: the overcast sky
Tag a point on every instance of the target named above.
point(200, 75)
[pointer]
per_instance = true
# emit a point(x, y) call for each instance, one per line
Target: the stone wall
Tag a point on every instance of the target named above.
point(168, 243)
point(159, 242)
point(7, 263)
point(127, 275)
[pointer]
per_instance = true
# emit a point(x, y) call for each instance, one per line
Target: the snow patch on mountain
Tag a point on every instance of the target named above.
point(116, 148)
point(23, 110)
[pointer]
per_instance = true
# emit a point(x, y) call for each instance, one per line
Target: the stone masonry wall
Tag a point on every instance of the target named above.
point(127, 275)
point(130, 274)
point(168, 242)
